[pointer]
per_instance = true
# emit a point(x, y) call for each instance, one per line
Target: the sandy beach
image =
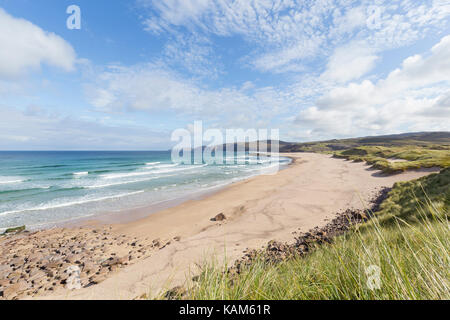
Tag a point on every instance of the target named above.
point(153, 254)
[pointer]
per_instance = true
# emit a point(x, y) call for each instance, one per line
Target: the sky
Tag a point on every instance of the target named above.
point(137, 70)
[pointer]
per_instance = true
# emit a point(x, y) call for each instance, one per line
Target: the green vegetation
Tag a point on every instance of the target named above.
point(408, 240)
point(406, 197)
point(398, 159)
point(14, 230)
point(421, 139)
point(391, 154)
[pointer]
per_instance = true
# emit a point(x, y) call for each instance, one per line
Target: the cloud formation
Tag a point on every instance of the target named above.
point(37, 128)
point(25, 46)
point(412, 97)
point(288, 32)
point(155, 89)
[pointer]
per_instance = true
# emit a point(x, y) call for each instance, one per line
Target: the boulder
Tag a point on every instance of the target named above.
point(219, 217)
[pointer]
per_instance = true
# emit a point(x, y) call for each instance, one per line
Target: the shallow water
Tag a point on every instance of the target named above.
point(38, 189)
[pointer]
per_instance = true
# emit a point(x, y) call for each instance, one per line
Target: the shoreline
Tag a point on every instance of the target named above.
point(134, 214)
point(166, 246)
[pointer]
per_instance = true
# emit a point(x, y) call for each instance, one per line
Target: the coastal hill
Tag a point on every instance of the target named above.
point(421, 139)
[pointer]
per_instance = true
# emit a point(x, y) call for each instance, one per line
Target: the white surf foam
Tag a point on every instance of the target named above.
point(83, 173)
point(99, 186)
point(152, 163)
point(156, 170)
point(69, 204)
point(8, 180)
point(167, 165)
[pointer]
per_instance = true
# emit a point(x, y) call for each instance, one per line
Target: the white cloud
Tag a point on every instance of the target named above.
point(24, 46)
point(287, 59)
point(412, 97)
point(350, 62)
point(194, 54)
point(154, 89)
point(286, 33)
point(39, 129)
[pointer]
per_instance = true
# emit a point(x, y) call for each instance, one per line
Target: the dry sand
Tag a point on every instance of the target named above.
point(307, 194)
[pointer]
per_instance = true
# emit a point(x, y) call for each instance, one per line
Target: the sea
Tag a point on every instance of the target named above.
point(41, 189)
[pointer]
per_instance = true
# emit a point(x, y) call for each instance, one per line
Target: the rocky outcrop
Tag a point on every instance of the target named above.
point(33, 264)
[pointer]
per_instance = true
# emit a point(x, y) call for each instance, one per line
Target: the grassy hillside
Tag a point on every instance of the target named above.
point(406, 243)
point(398, 159)
point(391, 154)
point(421, 139)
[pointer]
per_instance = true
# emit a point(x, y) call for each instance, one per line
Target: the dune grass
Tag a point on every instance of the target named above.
point(398, 159)
point(406, 244)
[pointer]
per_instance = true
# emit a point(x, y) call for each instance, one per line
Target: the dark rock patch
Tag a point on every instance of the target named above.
point(219, 217)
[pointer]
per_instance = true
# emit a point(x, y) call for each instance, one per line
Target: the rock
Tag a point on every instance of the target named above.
point(35, 257)
point(51, 265)
point(74, 258)
point(219, 217)
point(17, 262)
point(4, 271)
point(4, 283)
point(4, 268)
point(89, 268)
point(14, 290)
point(9, 293)
point(98, 278)
point(114, 261)
point(36, 274)
point(175, 293)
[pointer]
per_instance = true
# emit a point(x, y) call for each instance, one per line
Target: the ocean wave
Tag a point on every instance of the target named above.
point(69, 204)
point(82, 173)
point(131, 164)
point(23, 190)
point(147, 172)
point(100, 171)
point(179, 169)
point(49, 166)
point(167, 165)
point(99, 186)
point(8, 180)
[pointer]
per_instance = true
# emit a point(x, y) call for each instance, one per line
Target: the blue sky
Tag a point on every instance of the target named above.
point(137, 70)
